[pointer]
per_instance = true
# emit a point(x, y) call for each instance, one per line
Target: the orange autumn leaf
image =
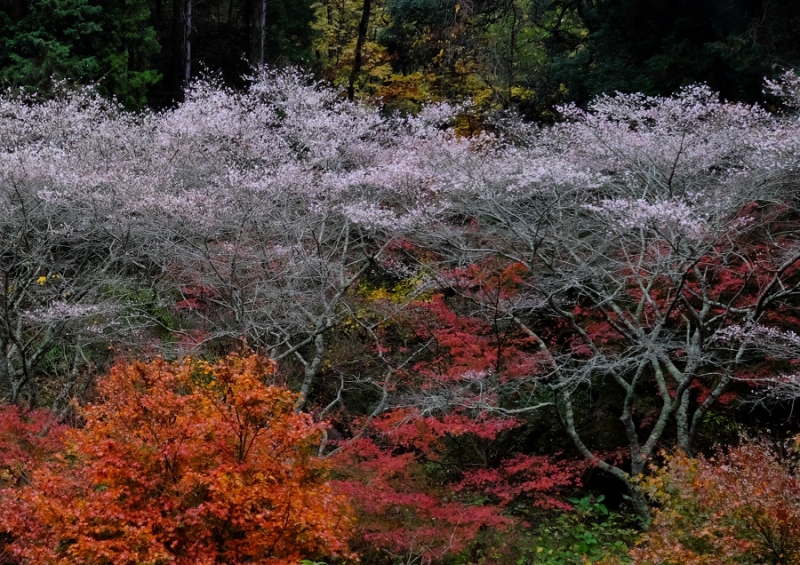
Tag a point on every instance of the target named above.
point(740, 506)
point(187, 463)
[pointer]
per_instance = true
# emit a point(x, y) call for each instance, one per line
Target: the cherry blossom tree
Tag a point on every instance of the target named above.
point(67, 260)
point(642, 232)
point(266, 252)
point(657, 225)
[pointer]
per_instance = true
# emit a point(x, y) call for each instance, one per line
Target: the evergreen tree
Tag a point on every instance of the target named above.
point(658, 46)
point(125, 47)
point(109, 42)
point(42, 40)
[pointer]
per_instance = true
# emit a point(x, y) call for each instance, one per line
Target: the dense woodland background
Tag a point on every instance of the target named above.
point(522, 54)
point(404, 281)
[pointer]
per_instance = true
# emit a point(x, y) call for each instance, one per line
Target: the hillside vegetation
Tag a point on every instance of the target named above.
point(489, 330)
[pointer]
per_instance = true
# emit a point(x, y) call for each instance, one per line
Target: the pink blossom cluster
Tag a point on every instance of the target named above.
point(664, 215)
point(767, 338)
point(61, 311)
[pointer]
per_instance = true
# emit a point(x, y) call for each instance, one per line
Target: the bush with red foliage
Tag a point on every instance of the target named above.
point(420, 492)
point(27, 439)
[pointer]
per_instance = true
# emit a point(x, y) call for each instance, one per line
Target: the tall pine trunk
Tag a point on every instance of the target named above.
point(176, 47)
point(263, 29)
point(362, 36)
point(187, 45)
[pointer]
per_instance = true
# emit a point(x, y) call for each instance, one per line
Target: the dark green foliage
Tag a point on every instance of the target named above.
point(44, 39)
point(586, 535)
point(590, 533)
point(227, 35)
point(535, 54)
point(658, 46)
point(529, 54)
point(288, 31)
point(125, 47)
point(109, 42)
point(418, 31)
point(226, 39)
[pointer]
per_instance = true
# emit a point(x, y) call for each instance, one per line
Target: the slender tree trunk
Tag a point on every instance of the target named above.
point(187, 45)
point(176, 46)
point(682, 423)
point(311, 370)
point(5, 372)
point(512, 50)
point(635, 494)
point(248, 45)
point(332, 52)
point(263, 28)
point(362, 36)
point(5, 342)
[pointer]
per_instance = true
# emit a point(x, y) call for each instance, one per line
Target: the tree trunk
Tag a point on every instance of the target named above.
point(176, 47)
point(263, 29)
point(638, 501)
point(362, 36)
point(187, 45)
point(635, 494)
point(6, 386)
point(247, 24)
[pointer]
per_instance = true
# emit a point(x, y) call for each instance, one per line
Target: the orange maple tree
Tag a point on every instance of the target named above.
point(187, 463)
point(740, 506)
